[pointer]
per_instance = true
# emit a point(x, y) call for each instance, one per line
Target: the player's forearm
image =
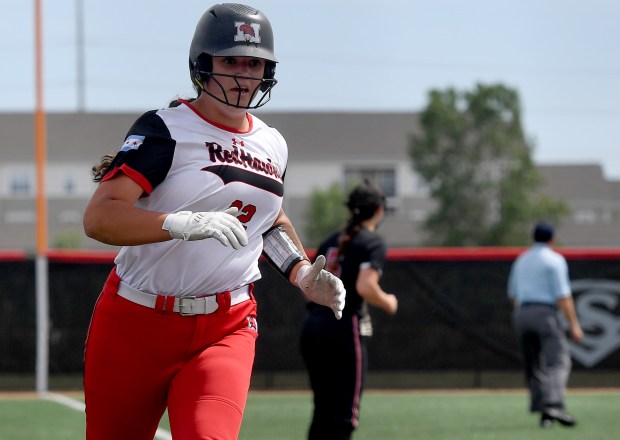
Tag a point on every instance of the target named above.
point(377, 298)
point(117, 223)
point(373, 294)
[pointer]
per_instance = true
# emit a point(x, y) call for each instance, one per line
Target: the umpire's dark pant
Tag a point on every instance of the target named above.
point(545, 353)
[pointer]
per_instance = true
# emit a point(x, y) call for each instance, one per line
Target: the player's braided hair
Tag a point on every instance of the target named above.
point(363, 202)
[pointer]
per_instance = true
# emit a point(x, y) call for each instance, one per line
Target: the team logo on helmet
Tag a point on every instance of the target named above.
point(247, 32)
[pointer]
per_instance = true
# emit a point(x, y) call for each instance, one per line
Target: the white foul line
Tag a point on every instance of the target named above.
point(77, 405)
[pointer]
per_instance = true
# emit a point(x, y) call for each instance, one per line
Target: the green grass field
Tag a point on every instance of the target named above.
point(424, 415)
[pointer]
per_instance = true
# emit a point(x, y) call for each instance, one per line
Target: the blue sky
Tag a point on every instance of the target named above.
point(345, 55)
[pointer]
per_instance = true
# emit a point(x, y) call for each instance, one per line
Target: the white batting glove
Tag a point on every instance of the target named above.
point(223, 226)
point(322, 287)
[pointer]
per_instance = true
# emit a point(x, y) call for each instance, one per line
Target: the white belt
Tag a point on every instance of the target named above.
point(185, 305)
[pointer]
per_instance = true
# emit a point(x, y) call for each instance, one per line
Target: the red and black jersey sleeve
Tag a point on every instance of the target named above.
point(147, 153)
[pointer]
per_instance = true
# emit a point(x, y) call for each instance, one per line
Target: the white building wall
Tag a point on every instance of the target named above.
point(61, 180)
point(303, 178)
point(11, 172)
point(69, 180)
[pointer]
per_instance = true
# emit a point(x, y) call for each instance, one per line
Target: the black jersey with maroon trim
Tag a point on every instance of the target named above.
point(366, 249)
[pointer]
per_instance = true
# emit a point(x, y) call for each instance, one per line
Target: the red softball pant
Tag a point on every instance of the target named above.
point(140, 361)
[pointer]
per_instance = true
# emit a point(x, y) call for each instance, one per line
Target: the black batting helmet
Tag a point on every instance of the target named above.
point(236, 30)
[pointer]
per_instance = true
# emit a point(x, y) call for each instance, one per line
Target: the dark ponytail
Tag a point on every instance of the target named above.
point(99, 170)
point(363, 202)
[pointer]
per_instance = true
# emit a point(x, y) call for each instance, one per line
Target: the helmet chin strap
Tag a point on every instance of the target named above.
point(264, 87)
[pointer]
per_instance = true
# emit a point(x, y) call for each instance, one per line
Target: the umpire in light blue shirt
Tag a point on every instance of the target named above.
point(538, 286)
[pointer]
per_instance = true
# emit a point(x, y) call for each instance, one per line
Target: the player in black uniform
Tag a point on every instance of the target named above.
point(334, 351)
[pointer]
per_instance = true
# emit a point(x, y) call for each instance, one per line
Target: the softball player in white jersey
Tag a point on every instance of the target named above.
point(194, 197)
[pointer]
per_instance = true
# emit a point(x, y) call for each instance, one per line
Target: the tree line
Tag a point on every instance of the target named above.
point(476, 160)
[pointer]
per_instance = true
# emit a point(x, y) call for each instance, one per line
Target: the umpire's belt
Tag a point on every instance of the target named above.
point(185, 305)
point(536, 303)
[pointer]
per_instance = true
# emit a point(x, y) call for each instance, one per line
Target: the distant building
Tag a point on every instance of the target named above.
point(323, 148)
point(593, 200)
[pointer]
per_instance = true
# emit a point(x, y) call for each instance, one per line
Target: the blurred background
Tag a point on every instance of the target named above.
point(363, 89)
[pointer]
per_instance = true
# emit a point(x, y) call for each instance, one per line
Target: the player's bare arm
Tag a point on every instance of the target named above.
point(111, 216)
point(368, 287)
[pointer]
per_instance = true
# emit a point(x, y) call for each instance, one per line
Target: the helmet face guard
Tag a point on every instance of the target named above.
point(233, 30)
point(262, 91)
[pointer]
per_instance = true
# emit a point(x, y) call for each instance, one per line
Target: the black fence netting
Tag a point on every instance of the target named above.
point(17, 316)
point(453, 314)
point(74, 289)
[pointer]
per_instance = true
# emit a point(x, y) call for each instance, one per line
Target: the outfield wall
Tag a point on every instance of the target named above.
point(453, 315)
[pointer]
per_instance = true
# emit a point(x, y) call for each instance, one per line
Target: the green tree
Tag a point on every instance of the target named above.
point(69, 239)
point(474, 156)
point(326, 214)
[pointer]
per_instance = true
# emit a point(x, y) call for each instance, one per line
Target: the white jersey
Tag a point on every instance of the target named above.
point(186, 163)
